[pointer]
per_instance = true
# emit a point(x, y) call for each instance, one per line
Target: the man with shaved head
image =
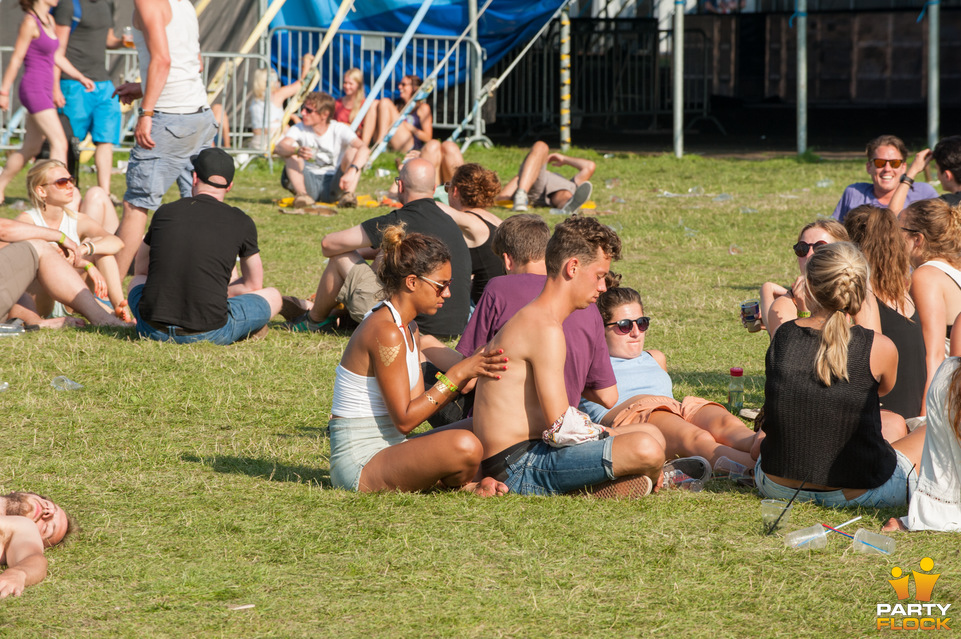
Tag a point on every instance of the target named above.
point(28, 524)
point(349, 280)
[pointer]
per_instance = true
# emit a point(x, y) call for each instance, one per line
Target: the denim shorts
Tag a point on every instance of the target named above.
point(323, 187)
point(176, 137)
point(95, 112)
point(353, 443)
point(545, 470)
point(896, 491)
point(245, 314)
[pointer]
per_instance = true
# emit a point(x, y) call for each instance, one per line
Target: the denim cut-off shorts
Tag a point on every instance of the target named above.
point(353, 443)
point(896, 491)
point(545, 470)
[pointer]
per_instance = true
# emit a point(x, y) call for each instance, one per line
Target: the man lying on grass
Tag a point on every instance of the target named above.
point(28, 524)
point(578, 258)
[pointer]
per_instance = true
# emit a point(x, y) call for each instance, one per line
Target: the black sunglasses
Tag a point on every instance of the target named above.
point(802, 248)
point(307, 109)
point(624, 325)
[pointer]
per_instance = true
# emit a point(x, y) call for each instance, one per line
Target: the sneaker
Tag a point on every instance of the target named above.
point(629, 487)
point(520, 200)
point(685, 471)
point(304, 324)
point(347, 201)
point(303, 201)
point(581, 194)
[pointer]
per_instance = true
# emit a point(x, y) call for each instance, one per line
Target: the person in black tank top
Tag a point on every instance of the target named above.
point(822, 417)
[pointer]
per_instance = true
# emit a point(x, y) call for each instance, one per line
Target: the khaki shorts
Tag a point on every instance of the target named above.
point(547, 184)
point(360, 290)
point(18, 268)
point(641, 409)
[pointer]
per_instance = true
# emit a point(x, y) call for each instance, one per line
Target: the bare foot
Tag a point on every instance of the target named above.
point(61, 322)
point(487, 487)
point(894, 525)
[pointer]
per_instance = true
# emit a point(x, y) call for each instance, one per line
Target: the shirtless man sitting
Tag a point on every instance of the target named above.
point(626, 463)
point(28, 524)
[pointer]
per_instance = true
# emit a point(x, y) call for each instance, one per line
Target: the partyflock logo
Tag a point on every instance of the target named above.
point(923, 615)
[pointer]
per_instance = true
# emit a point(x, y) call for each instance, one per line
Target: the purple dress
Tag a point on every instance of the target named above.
point(36, 86)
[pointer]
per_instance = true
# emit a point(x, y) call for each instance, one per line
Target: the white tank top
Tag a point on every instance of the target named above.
point(184, 91)
point(68, 224)
point(360, 396)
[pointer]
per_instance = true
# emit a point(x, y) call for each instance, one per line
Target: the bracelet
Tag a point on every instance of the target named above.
point(451, 386)
point(803, 314)
point(906, 180)
point(431, 399)
point(63, 238)
point(354, 166)
point(88, 266)
point(90, 245)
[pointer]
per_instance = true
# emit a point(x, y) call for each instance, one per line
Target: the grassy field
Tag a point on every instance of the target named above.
point(199, 474)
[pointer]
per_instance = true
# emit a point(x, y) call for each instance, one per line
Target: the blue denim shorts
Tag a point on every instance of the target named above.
point(323, 187)
point(545, 470)
point(245, 314)
point(896, 491)
point(353, 443)
point(151, 171)
point(95, 112)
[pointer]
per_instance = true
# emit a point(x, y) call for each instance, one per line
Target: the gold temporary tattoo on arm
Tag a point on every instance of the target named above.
point(388, 353)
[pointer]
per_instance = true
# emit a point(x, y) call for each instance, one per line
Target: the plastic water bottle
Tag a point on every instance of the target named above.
point(735, 391)
point(63, 383)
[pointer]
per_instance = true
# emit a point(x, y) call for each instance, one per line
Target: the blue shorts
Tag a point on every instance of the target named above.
point(896, 491)
point(246, 314)
point(353, 443)
point(323, 187)
point(545, 470)
point(176, 137)
point(96, 112)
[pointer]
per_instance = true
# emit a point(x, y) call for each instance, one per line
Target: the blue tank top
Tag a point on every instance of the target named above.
point(638, 376)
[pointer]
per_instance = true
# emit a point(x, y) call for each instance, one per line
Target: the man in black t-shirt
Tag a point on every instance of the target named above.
point(85, 35)
point(182, 290)
point(350, 281)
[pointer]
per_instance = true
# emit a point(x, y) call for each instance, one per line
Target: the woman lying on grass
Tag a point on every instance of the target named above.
point(781, 304)
point(822, 412)
point(693, 426)
point(379, 395)
point(936, 503)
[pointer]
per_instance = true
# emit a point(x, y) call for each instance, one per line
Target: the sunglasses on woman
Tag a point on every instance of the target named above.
point(624, 326)
point(439, 287)
point(62, 183)
point(802, 248)
point(880, 162)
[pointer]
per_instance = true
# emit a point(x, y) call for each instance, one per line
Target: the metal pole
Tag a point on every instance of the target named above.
point(678, 78)
point(802, 76)
point(477, 75)
point(265, 36)
point(934, 72)
point(565, 79)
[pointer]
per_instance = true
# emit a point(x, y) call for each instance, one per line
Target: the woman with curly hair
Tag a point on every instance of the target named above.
point(379, 391)
point(471, 190)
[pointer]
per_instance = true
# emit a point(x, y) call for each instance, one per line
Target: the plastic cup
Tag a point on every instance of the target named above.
point(872, 543)
point(725, 466)
point(771, 509)
point(810, 538)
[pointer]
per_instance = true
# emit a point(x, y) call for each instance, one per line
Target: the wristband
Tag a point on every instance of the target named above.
point(143, 112)
point(63, 238)
point(802, 314)
point(443, 379)
point(354, 166)
point(907, 180)
point(88, 266)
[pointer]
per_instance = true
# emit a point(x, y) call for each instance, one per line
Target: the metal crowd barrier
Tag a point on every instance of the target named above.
point(618, 74)
point(368, 51)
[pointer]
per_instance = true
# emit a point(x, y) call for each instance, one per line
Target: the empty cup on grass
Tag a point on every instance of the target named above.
point(872, 543)
point(771, 509)
point(810, 538)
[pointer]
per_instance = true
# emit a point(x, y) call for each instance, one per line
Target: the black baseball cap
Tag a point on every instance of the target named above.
point(214, 162)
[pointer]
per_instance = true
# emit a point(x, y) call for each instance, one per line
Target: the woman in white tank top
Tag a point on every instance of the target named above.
point(932, 229)
point(379, 393)
point(52, 194)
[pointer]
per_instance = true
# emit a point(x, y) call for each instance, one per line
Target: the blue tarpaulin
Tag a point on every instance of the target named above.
point(504, 26)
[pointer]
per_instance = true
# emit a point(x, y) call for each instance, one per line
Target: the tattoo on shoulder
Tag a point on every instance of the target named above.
point(388, 353)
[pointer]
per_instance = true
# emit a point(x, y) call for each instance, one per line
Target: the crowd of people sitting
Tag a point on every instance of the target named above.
point(550, 390)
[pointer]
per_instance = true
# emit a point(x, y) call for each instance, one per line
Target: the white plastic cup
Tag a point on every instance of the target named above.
point(771, 509)
point(725, 466)
point(810, 538)
point(872, 543)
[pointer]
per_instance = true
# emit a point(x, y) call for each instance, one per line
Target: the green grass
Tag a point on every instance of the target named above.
point(200, 473)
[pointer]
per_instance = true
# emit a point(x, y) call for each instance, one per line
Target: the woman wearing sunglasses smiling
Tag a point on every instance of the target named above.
point(52, 193)
point(886, 167)
point(781, 304)
point(692, 427)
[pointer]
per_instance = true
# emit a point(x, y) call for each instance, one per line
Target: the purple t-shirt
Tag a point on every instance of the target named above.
point(863, 193)
point(588, 363)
